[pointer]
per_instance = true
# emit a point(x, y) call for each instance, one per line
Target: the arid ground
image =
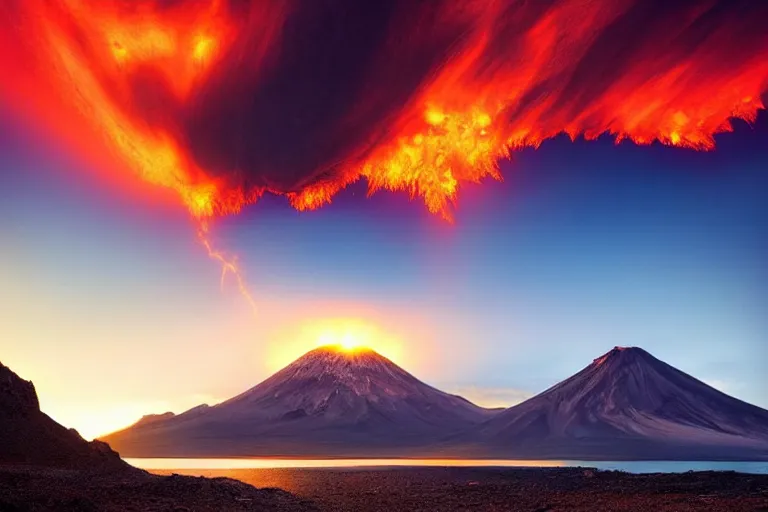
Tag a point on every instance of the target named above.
point(515, 489)
point(383, 489)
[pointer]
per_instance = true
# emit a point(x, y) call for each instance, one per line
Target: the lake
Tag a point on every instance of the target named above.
point(628, 466)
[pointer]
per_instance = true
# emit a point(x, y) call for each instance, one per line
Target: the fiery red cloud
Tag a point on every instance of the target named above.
point(222, 100)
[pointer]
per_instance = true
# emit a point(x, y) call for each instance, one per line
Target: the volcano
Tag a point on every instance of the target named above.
point(328, 403)
point(626, 405)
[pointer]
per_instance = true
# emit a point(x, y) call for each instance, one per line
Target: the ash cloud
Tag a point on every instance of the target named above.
point(343, 73)
point(325, 91)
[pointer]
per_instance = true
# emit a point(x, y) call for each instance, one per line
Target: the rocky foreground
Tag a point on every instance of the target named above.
point(513, 489)
point(47, 467)
point(381, 490)
point(33, 490)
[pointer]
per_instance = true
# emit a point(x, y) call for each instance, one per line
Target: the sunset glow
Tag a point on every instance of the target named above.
point(349, 343)
point(347, 334)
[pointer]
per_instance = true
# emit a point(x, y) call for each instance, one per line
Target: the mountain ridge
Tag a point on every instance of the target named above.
point(625, 405)
point(327, 402)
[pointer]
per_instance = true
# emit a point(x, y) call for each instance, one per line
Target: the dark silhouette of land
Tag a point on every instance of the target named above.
point(47, 467)
point(29, 437)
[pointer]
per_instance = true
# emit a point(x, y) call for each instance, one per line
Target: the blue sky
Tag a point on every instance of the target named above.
point(114, 310)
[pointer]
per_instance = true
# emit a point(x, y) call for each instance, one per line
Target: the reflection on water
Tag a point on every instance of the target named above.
point(329, 463)
point(629, 466)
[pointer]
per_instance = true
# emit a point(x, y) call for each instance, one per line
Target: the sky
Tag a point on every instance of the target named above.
point(145, 147)
point(111, 306)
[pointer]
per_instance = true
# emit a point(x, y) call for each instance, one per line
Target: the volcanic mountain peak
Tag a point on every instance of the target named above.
point(330, 401)
point(336, 366)
point(337, 354)
point(627, 402)
point(334, 360)
point(623, 354)
point(326, 371)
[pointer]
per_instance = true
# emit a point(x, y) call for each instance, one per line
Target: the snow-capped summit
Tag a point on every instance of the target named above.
point(329, 402)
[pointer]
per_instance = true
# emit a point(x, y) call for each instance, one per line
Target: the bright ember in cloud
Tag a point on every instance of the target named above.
point(223, 100)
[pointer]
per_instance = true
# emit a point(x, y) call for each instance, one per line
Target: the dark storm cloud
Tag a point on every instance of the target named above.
point(300, 92)
point(342, 71)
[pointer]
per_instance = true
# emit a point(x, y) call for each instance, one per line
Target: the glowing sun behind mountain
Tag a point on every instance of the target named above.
point(349, 344)
point(347, 335)
point(349, 341)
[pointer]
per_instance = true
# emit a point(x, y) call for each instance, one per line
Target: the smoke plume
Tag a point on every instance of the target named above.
point(222, 100)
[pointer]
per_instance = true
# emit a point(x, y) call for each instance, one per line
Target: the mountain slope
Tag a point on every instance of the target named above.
point(29, 437)
point(327, 403)
point(626, 405)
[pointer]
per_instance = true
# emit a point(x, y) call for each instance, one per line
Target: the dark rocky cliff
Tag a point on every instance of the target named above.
point(30, 437)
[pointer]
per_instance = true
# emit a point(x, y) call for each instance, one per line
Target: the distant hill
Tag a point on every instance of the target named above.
point(29, 437)
point(625, 405)
point(326, 403)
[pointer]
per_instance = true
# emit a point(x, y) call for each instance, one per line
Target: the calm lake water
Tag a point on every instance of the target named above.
point(629, 466)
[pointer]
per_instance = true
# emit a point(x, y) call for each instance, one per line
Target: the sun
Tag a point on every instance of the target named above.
point(348, 335)
point(349, 343)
